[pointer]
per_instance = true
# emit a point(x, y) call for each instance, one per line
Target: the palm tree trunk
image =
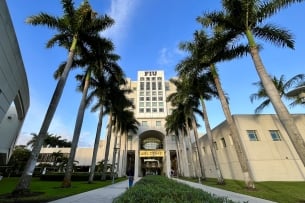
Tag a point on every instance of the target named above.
point(96, 144)
point(119, 153)
point(200, 160)
point(178, 155)
point(78, 125)
point(185, 155)
point(107, 147)
point(23, 185)
point(220, 179)
point(281, 110)
point(240, 151)
point(190, 151)
point(114, 156)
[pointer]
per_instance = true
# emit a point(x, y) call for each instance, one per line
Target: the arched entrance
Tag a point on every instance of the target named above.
point(152, 153)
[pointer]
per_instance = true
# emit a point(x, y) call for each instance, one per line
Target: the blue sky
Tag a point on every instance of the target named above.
point(146, 36)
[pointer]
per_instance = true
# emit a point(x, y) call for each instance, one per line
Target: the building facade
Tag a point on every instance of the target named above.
point(269, 151)
point(14, 90)
point(270, 154)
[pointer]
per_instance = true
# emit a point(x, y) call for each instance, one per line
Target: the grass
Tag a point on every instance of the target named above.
point(48, 190)
point(282, 192)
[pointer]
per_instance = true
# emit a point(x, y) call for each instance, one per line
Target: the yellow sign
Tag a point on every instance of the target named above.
point(151, 153)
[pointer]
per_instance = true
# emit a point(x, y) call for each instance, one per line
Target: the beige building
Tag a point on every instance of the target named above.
point(271, 155)
point(14, 90)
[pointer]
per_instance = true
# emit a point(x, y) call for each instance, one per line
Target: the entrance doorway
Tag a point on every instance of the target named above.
point(151, 166)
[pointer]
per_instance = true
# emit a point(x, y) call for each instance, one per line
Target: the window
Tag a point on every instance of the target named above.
point(153, 86)
point(148, 78)
point(159, 85)
point(223, 142)
point(147, 93)
point(154, 110)
point(141, 98)
point(141, 85)
point(144, 123)
point(160, 98)
point(160, 103)
point(148, 104)
point(129, 137)
point(159, 78)
point(141, 93)
point(148, 110)
point(154, 98)
point(215, 145)
point(252, 135)
point(147, 98)
point(154, 103)
point(141, 104)
point(158, 123)
point(275, 135)
point(161, 110)
point(141, 110)
point(147, 85)
point(141, 78)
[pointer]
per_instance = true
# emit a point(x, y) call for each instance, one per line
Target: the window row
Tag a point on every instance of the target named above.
point(149, 110)
point(151, 93)
point(275, 135)
point(144, 123)
point(149, 104)
point(151, 98)
point(150, 78)
point(150, 85)
point(252, 135)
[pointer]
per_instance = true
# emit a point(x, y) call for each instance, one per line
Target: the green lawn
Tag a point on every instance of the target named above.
point(282, 192)
point(48, 190)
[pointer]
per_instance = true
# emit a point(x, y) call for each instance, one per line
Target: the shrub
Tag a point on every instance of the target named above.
point(164, 190)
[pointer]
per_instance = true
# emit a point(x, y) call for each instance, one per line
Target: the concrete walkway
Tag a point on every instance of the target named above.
point(109, 193)
point(224, 193)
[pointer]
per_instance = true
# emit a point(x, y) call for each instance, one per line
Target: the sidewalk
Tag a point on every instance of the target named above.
point(109, 193)
point(102, 195)
point(224, 193)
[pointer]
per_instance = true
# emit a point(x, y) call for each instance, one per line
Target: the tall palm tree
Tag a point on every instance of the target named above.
point(125, 122)
point(174, 124)
point(190, 105)
point(211, 50)
point(75, 28)
point(116, 101)
point(243, 19)
point(100, 86)
point(96, 62)
point(281, 85)
point(201, 87)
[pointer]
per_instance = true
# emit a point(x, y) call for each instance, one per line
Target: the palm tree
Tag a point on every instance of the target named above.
point(201, 87)
point(174, 124)
point(244, 18)
point(125, 122)
point(116, 97)
point(190, 105)
point(96, 62)
point(205, 51)
point(75, 28)
point(281, 85)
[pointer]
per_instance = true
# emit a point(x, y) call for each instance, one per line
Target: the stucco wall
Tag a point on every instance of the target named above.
point(14, 90)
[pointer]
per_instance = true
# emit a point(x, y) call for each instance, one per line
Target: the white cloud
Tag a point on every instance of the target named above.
point(121, 11)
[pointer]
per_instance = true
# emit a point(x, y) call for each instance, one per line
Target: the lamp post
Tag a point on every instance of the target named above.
point(298, 92)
